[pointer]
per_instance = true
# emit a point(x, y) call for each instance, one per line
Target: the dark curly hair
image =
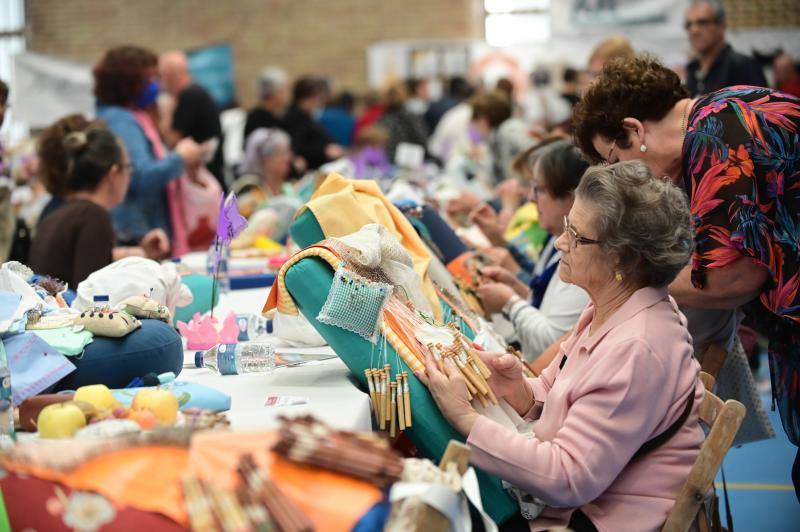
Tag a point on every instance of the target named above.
point(639, 87)
point(122, 74)
point(53, 156)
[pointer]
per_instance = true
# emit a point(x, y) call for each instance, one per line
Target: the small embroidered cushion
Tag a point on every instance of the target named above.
point(110, 323)
point(146, 308)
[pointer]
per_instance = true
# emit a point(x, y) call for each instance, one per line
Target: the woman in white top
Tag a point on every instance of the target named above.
point(547, 308)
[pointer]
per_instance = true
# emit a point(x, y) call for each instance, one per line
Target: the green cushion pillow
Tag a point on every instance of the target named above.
point(308, 282)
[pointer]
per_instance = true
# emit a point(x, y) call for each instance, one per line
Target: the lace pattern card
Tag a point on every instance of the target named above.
point(355, 304)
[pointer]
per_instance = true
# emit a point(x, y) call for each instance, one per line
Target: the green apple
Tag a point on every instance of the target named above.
point(60, 420)
point(162, 403)
point(97, 395)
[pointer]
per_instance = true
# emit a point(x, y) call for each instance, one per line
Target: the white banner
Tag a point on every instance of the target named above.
point(46, 88)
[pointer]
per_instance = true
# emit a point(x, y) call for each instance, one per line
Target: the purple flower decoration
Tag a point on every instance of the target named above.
point(369, 161)
point(229, 223)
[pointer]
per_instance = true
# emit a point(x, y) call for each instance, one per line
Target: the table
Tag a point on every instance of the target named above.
point(332, 396)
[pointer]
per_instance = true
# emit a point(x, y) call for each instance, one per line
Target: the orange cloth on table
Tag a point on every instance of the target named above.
point(343, 206)
point(145, 478)
point(149, 478)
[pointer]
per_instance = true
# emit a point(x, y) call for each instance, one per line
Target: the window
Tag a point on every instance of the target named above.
point(12, 42)
point(510, 22)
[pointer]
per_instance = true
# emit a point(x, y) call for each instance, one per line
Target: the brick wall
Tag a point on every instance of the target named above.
point(745, 14)
point(304, 36)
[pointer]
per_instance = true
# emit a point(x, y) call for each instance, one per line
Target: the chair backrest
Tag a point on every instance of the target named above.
point(712, 359)
point(724, 419)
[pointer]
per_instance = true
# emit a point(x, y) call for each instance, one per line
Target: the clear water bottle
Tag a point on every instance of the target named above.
point(223, 281)
point(7, 435)
point(237, 359)
point(251, 326)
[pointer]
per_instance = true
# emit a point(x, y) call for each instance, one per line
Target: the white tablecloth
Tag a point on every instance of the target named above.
point(332, 397)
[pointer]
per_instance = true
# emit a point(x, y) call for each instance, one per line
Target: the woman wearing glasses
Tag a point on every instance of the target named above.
point(545, 309)
point(616, 429)
point(736, 153)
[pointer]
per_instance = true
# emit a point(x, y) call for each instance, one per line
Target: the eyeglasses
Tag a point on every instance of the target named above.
point(574, 237)
point(700, 23)
point(536, 190)
point(607, 160)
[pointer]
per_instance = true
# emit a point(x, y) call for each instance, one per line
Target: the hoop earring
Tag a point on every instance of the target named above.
point(642, 148)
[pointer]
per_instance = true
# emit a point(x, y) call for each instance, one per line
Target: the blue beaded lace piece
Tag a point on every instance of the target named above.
point(355, 304)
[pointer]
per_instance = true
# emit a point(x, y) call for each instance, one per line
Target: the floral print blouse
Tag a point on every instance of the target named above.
point(741, 167)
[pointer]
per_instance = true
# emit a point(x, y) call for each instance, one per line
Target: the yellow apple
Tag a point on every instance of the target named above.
point(162, 403)
point(60, 420)
point(97, 395)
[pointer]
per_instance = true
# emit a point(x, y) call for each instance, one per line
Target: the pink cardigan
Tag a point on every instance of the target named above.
point(620, 386)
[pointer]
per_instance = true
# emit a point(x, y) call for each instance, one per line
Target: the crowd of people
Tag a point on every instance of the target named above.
point(634, 216)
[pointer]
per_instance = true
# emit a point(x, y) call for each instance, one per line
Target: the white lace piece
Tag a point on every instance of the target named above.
point(374, 247)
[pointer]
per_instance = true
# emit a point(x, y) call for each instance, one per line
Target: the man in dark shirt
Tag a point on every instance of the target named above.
point(195, 114)
point(273, 93)
point(716, 64)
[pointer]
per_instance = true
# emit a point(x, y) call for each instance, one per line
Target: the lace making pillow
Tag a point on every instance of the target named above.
point(110, 323)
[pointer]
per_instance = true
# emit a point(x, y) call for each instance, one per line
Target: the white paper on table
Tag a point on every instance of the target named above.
point(285, 400)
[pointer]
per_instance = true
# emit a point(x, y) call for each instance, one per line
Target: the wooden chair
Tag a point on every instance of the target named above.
point(429, 519)
point(712, 359)
point(724, 420)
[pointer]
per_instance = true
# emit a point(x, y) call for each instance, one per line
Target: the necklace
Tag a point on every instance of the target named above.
point(684, 119)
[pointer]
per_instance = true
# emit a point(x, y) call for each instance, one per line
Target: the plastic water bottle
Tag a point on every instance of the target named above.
point(101, 301)
point(237, 359)
point(251, 326)
point(7, 435)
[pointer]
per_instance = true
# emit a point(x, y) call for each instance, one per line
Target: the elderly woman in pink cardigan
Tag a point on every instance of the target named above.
point(616, 411)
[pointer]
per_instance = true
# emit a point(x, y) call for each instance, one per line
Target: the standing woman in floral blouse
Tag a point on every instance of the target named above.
point(736, 153)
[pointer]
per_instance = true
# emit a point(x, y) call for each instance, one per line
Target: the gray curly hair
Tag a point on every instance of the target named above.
point(642, 221)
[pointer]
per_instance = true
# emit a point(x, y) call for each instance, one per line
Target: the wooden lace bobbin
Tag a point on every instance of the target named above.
point(198, 506)
point(387, 402)
point(393, 409)
point(379, 375)
point(229, 512)
point(473, 355)
point(257, 515)
point(401, 411)
point(459, 360)
point(437, 356)
point(468, 373)
point(407, 399)
point(472, 391)
point(469, 362)
point(526, 369)
point(372, 393)
point(285, 515)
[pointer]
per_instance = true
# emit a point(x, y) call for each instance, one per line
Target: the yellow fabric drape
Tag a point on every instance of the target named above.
point(343, 206)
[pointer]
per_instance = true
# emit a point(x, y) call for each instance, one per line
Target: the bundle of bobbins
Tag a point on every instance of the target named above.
point(476, 373)
point(306, 440)
point(256, 504)
point(391, 402)
point(265, 493)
